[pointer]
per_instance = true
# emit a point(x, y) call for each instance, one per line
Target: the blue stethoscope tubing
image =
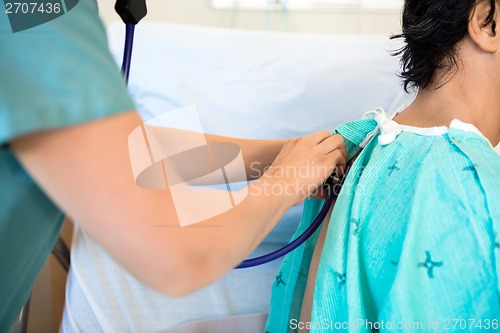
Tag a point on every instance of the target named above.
point(127, 50)
point(332, 192)
point(297, 241)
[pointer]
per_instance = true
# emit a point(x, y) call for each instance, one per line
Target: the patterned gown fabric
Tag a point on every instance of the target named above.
point(412, 242)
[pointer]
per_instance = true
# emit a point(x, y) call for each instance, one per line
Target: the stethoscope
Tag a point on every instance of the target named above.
point(131, 12)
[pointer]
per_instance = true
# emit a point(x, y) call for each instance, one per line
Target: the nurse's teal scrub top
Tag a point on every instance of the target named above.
point(413, 243)
point(57, 74)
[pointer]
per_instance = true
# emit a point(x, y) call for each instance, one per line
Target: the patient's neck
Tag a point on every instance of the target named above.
point(470, 100)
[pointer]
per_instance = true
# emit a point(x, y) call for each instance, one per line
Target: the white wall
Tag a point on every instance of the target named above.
point(199, 12)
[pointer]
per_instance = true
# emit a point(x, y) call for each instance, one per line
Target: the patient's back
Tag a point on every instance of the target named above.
point(418, 209)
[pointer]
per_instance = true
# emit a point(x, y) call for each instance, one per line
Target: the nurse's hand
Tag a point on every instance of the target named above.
point(303, 165)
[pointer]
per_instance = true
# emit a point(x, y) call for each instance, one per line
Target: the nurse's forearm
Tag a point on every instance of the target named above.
point(204, 252)
point(258, 155)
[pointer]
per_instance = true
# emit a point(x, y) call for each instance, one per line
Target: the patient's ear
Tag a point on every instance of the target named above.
point(484, 35)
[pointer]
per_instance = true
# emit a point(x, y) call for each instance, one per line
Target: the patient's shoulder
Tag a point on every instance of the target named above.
point(414, 164)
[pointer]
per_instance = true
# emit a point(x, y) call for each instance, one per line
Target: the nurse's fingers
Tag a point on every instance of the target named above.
point(332, 143)
point(318, 137)
point(337, 158)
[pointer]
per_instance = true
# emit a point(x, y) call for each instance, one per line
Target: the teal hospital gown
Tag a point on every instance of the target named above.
point(413, 243)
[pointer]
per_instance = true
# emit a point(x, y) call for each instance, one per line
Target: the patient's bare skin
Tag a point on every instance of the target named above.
point(305, 312)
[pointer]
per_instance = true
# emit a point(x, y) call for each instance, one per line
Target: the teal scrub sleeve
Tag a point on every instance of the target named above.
point(57, 74)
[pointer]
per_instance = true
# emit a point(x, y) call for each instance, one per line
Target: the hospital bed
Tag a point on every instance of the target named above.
point(261, 85)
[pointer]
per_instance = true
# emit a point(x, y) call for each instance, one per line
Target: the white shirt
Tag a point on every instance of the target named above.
point(101, 296)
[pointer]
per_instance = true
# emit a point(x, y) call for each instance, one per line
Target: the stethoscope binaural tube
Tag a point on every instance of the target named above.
point(131, 12)
point(127, 50)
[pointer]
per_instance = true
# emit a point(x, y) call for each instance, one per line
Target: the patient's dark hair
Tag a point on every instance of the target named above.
point(431, 29)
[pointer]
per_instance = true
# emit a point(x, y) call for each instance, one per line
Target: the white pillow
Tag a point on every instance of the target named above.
point(260, 84)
